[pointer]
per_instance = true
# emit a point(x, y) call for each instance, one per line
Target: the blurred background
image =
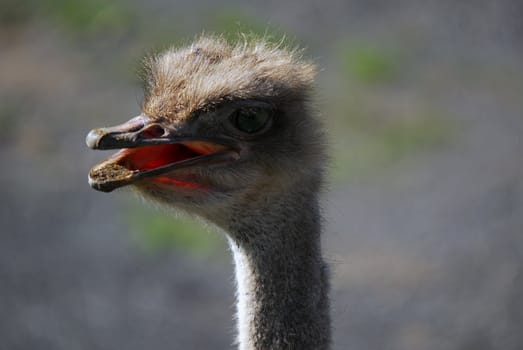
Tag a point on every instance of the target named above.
point(424, 105)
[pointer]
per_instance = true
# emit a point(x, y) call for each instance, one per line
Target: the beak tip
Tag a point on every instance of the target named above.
point(100, 186)
point(93, 138)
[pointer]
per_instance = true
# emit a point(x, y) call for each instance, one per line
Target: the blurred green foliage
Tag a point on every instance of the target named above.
point(75, 16)
point(89, 17)
point(368, 64)
point(366, 145)
point(156, 231)
point(371, 131)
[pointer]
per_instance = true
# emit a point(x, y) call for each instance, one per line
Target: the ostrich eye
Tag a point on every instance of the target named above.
point(250, 120)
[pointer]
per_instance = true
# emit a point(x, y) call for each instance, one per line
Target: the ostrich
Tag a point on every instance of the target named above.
point(226, 133)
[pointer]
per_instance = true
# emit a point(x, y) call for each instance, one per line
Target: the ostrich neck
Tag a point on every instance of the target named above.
point(281, 278)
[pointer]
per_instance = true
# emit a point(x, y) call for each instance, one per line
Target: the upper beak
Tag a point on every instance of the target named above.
point(142, 131)
point(125, 135)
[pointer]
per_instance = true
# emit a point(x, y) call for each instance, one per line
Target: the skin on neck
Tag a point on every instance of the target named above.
point(281, 277)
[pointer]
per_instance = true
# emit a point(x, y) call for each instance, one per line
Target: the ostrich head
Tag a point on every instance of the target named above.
point(221, 126)
point(225, 132)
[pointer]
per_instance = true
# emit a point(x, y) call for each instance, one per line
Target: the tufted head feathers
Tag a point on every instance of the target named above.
point(211, 71)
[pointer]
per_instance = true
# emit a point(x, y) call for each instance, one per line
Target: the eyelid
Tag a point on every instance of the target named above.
point(230, 107)
point(253, 104)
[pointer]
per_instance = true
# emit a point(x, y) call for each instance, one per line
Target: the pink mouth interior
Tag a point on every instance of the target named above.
point(152, 157)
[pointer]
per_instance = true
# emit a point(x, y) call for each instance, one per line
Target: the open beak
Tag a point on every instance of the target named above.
point(150, 150)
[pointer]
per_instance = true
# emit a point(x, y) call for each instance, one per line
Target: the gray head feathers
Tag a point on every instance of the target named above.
point(211, 71)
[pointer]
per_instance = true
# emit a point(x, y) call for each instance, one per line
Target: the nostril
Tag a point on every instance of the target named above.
point(153, 131)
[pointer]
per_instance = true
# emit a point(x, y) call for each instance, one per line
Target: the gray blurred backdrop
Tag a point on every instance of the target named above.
point(424, 105)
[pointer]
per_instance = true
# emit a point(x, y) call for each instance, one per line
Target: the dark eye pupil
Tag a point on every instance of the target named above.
point(251, 120)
